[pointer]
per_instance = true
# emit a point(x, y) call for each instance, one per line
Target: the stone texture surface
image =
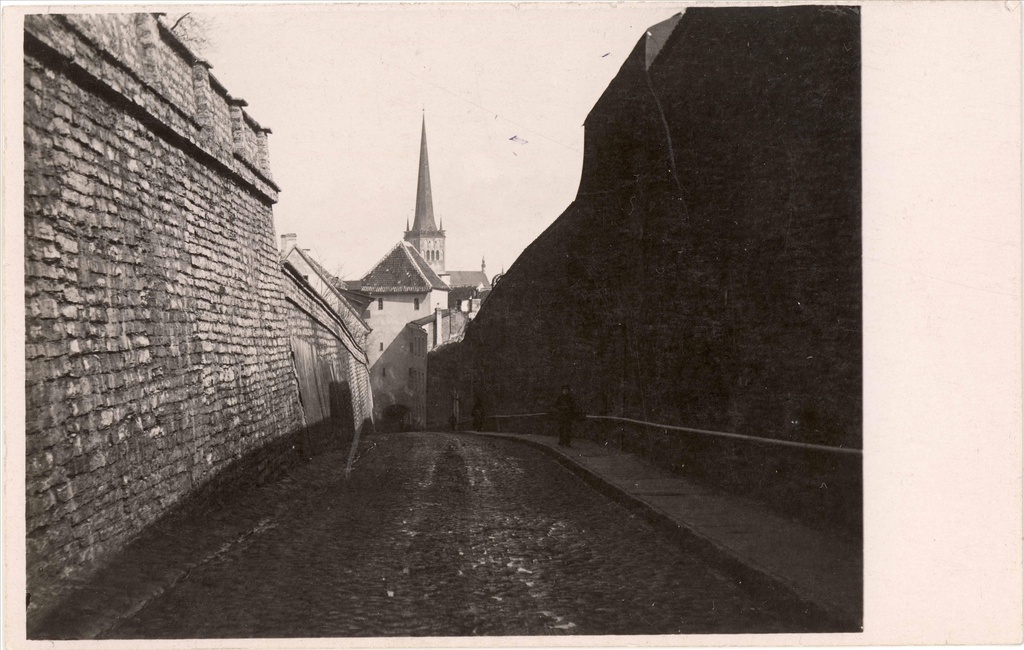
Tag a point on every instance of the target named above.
point(433, 535)
point(708, 273)
point(331, 365)
point(157, 330)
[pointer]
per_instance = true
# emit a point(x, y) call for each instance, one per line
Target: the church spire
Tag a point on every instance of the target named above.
point(425, 236)
point(424, 219)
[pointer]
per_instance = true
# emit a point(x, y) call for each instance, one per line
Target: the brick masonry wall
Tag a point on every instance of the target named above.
point(157, 334)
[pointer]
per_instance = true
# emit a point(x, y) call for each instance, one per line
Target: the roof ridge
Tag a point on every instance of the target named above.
point(408, 251)
point(327, 277)
point(379, 262)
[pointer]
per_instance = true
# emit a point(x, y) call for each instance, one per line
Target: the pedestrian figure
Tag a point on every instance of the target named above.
point(478, 415)
point(564, 412)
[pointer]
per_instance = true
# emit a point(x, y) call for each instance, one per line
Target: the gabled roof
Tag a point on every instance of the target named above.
point(350, 301)
point(468, 279)
point(402, 270)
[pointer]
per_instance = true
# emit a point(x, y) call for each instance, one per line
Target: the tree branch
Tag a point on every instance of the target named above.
point(178, 21)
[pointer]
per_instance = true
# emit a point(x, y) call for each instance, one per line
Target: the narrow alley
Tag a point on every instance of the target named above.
point(434, 534)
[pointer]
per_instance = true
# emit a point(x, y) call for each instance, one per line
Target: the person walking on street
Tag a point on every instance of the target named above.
point(478, 414)
point(565, 411)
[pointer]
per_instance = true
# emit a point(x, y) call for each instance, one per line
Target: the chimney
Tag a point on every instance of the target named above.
point(287, 241)
point(437, 326)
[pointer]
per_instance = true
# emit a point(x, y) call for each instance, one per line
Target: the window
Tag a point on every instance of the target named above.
point(380, 304)
point(384, 370)
point(382, 346)
point(416, 303)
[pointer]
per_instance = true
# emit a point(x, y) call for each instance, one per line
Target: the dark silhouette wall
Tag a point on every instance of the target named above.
point(708, 273)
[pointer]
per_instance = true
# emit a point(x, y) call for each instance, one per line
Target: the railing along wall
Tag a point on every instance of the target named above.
point(670, 427)
point(820, 484)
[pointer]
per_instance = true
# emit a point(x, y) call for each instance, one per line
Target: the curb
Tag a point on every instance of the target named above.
point(763, 582)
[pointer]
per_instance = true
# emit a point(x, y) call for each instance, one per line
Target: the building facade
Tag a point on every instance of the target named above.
point(402, 288)
point(409, 309)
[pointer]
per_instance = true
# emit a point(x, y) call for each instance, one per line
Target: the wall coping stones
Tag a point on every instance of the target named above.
point(73, 44)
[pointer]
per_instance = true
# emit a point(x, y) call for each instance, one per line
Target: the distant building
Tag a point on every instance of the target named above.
point(410, 310)
point(475, 279)
point(444, 326)
point(466, 300)
point(349, 304)
point(402, 287)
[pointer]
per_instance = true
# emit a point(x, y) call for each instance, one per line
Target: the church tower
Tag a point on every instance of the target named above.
point(425, 236)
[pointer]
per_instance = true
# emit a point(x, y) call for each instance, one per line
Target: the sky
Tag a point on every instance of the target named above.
point(504, 89)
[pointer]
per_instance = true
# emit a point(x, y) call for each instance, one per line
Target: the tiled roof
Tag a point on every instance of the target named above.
point(424, 267)
point(403, 270)
point(468, 279)
point(461, 293)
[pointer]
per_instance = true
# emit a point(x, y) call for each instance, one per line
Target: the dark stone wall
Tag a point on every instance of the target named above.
point(708, 273)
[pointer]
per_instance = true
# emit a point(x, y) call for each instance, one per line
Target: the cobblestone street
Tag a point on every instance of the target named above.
point(440, 534)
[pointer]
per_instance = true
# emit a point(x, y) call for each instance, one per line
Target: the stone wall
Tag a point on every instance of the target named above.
point(331, 366)
point(157, 332)
point(708, 273)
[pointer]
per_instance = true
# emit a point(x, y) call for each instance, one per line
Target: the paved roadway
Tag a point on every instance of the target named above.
point(449, 535)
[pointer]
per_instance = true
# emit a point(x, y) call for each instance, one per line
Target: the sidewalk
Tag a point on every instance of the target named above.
point(820, 570)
